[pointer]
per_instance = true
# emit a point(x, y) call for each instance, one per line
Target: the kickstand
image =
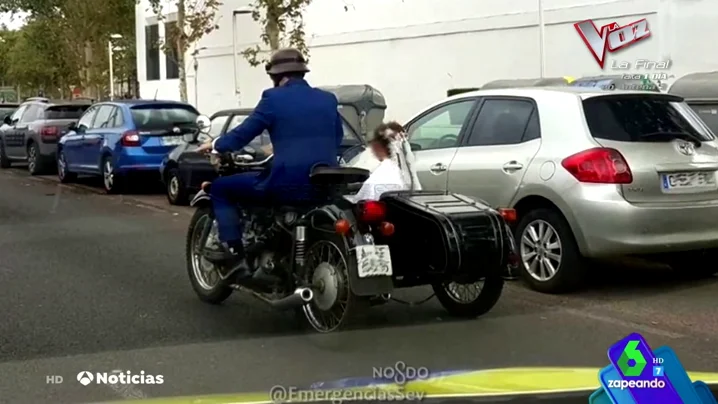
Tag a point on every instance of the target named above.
point(414, 303)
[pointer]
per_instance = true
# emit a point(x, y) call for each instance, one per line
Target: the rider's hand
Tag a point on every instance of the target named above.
point(205, 147)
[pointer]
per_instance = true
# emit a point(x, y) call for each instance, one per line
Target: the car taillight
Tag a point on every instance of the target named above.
point(371, 211)
point(130, 139)
point(49, 133)
point(601, 165)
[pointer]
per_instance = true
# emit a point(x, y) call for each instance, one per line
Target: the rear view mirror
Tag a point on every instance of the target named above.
point(203, 123)
point(7, 120)
point(72, 126)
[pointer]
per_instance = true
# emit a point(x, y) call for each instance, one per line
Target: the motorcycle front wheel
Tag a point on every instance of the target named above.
point(203, 275)
point(327, 264)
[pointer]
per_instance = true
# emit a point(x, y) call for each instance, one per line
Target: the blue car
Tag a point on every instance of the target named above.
point(117, 138)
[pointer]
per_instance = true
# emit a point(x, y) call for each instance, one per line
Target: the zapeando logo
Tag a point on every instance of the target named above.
point(611, 37)
point(631, 353)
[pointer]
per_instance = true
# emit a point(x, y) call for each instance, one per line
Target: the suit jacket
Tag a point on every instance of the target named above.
point(304, 126)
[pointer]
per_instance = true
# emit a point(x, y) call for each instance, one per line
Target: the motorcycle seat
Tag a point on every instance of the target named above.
point(323, 175)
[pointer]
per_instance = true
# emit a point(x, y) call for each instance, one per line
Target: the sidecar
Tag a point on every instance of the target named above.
point(449, 241)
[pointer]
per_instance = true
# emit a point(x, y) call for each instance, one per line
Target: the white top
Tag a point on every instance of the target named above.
point(402, 156)
point(386, 177)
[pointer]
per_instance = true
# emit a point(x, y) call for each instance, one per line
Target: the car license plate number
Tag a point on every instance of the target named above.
point(695, 181)
point(374, 260)
point(171, 140)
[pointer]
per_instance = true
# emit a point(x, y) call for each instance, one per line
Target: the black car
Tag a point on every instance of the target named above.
point(30, 134)
point(7, 110)
point(184, 170)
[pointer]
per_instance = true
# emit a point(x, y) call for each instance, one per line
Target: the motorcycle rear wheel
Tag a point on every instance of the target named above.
point(475, 306)
point(327, 264)
point(214, 290)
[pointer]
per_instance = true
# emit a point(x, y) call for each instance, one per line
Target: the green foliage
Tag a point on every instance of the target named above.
point(64, 44)
point(283, 26)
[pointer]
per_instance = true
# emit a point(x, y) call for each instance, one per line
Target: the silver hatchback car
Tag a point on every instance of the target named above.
point(590, 173)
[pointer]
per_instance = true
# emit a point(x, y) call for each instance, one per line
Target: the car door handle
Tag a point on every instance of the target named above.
point(513, 166)
point(438, 168)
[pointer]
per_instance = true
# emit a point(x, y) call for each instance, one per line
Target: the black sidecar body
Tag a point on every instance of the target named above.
point(443, 237)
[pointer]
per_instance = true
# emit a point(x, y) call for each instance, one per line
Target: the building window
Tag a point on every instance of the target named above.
point(152, 49)
point(171, 66)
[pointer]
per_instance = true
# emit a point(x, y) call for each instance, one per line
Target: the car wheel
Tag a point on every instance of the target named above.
point(693, 264)
point(110, 181)
point(550, 259)
point(63, 173)
point(177, 193)
point(35, 161)
point(4, 161)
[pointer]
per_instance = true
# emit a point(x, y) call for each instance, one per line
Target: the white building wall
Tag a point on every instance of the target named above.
point(415, 50)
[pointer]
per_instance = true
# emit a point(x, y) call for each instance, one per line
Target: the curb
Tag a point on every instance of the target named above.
point(128, 199)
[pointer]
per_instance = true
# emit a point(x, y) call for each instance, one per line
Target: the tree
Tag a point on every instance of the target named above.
point(283, 25)
point(195, 19)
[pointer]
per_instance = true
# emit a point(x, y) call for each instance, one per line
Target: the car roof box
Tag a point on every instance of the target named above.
point(697, 88)
point(361, 105)
point(518, 83)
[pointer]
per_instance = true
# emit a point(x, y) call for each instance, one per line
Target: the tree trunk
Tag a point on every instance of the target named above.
point(272, 30)
point(181, 50)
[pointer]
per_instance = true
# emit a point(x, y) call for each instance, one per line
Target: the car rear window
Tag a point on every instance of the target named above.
point(148, 117)
point(4, 111)
point(640, 118)
point(65, 111)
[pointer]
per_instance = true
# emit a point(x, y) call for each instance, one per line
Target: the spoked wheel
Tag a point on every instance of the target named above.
point(470, 299)
point(327, 274)
point(204, 275)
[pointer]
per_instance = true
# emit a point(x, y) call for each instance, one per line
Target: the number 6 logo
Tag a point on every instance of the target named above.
point(631, 353)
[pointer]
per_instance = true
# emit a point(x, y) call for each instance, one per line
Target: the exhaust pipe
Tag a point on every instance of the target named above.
point(300, 297)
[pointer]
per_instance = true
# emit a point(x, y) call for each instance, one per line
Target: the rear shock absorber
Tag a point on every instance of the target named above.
point(299, 245)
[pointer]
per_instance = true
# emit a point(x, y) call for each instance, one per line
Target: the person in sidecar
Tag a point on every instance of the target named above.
point(388, 175)
point(401, 154)
point(305, 130)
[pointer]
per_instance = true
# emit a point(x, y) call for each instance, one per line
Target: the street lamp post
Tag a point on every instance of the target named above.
point(110, 57)
point(542, 38)
point(196, 69)
point(235, 13)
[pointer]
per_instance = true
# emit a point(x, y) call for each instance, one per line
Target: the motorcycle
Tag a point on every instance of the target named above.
point(329, 259)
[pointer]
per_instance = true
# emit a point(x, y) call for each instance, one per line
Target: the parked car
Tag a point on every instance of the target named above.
point(591, 174)
point(117, 138)
point(184, 170)
point(31, 133)
point(6, 109)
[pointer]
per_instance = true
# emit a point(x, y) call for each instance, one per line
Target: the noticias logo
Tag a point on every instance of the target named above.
point(85, 378)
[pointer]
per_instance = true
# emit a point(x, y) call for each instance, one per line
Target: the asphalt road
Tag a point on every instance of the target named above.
point(98, 283)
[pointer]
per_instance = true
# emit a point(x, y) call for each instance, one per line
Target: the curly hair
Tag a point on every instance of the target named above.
point(381, 138)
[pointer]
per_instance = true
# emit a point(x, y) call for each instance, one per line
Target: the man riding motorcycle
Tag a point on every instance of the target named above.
point(305, 129)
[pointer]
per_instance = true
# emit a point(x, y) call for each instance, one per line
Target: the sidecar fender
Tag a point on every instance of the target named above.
point(200, 199)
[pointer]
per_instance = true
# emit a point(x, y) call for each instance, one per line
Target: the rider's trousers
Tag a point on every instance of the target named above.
point(228, 195)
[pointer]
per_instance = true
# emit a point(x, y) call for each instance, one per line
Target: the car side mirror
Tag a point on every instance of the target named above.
point(203, 124)
point(415, 147)
point(7, 120)
point(72, 126)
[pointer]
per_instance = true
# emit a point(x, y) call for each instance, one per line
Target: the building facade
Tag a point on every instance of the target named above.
point(416, 50)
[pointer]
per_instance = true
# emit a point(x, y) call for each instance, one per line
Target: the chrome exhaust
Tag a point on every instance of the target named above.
point(300, 297)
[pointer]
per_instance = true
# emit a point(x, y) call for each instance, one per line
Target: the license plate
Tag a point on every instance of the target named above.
point(695, 181)
point(374, 260)
point(171, 140)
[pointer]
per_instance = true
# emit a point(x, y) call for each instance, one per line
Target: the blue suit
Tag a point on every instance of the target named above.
point(305, 128)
